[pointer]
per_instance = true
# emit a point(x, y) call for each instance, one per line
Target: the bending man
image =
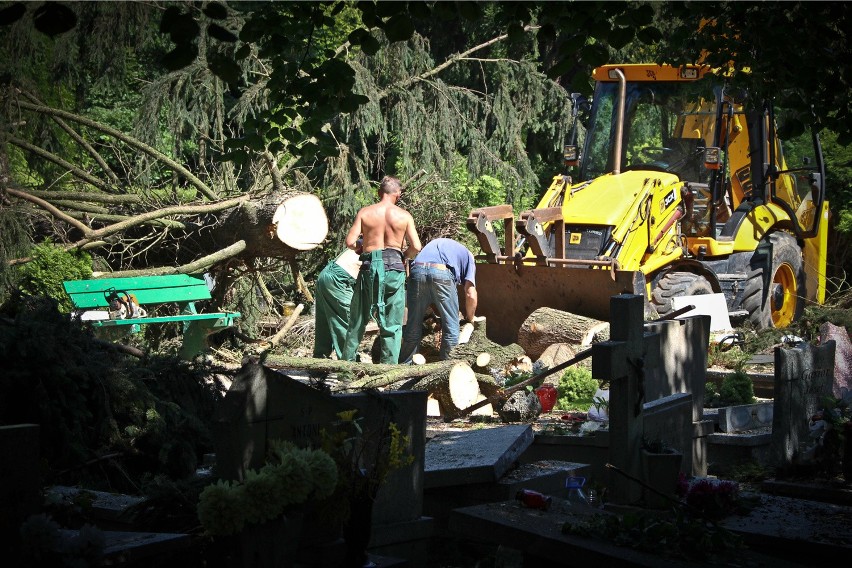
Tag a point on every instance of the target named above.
point(379, 290)
point(333, 298)
point(441, 266)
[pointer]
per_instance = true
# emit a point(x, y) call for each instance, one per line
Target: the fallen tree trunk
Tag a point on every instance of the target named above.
point(278, 225)
point(498, 355)
point(546, 326)
point(368, 375)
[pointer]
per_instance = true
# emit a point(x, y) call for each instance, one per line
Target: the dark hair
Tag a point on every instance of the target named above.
point(390, 184)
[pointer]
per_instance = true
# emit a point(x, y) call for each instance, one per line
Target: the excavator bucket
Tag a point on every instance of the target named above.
point(509, 293)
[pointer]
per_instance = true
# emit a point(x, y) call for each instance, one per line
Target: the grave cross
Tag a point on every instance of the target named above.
point(623, 360)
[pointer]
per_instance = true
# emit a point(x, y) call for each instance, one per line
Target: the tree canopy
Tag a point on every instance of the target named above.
point(168, 103)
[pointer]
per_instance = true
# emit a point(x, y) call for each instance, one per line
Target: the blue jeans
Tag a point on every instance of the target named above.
point(429, 285)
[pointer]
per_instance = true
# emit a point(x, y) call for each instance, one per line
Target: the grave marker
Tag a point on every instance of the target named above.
point(684, 367)
point(803, 377)
point(625, 360)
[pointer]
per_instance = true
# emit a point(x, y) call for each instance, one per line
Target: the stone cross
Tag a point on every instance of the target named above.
point(803, 378)
point(624, 360)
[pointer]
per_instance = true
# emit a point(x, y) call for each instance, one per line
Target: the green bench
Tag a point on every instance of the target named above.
point(149, 292)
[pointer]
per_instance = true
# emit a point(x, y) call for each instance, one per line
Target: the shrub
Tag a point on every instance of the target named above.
point(49, 267)
point(576, 389)
point(737, 388)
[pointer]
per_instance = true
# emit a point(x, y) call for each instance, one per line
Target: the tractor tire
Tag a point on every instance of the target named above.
point(675, 284)
point(784, 300)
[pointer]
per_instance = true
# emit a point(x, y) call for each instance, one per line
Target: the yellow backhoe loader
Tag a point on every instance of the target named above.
point(685, 187)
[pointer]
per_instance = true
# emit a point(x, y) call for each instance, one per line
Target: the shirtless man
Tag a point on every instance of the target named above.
point(379, 290)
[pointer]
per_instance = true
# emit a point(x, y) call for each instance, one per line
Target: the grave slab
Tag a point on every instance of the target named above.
point(105, 506)
point(128, 548)
point(538, 535)
point(474, 456)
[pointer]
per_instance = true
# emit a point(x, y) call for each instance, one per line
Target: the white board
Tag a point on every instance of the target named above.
point(712, 305)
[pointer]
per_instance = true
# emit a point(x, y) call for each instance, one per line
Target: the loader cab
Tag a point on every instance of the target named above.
point(673, 119)
point(667, 125)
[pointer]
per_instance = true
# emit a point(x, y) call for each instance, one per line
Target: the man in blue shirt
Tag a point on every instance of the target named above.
point(435, 273)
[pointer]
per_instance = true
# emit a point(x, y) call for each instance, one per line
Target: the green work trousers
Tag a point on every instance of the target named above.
point(379, 295)
point(331, 310)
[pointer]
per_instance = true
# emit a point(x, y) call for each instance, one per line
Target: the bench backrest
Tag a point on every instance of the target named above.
point(180, 288)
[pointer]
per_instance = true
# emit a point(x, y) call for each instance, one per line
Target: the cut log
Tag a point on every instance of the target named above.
point(482, 360)
point(464, 388)
point(468, 388)
point(465, 333)
point(546, 326)
point(278, 225)
point(556, 354)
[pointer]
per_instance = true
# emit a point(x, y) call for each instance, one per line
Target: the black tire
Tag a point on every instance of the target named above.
point(781, 302)
point(673, 284)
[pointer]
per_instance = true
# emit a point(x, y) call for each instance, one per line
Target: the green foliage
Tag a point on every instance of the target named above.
point(290, 477)
point(13, 244)
point(92, 401)
point(750, 472)
point(737, 388)
point(726, 356)
point(576, 389)
point(49, 267)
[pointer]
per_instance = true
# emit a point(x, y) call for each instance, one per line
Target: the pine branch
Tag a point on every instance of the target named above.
point(80, 196)
point(78, 139)
point(449, 62)
point(49, 156)
point(152, 152)
point(50, 208)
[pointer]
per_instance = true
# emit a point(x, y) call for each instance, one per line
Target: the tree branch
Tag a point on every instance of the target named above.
point(194, 267)
point(50, 208)
point(78, 196)
point(50, 157)
point(166, 211)
point(154, 153)
point(77, 138)
point(450, 61)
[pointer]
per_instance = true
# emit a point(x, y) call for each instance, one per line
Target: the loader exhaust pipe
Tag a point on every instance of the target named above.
point(619, 123)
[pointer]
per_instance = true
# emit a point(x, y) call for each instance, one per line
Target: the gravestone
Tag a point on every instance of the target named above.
point(264, 405)
point(668, 420)
point(20, 478)
point(803, 377)
point(683, 369)
point(625, 361)
point(842, 357)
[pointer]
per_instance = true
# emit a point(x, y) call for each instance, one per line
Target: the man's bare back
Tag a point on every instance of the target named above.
point(384, 225)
